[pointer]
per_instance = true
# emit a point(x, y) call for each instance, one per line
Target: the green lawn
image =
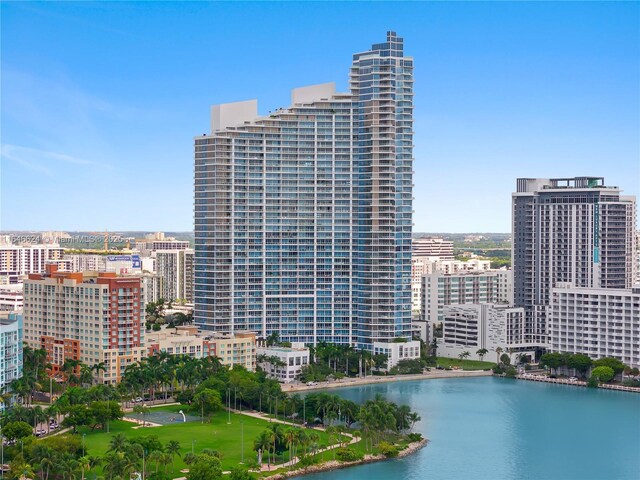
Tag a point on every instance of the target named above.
point(465, 364)
point(217, 435)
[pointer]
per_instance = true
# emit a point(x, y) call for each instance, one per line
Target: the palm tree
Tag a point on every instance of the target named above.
point(290, 437)
point(481, 353)
point(97, 368)
point(155, 456)
point(263, 444)
point(498, 352)
point(84, 464)
point(413, 419)
point(173, 448)
point(118, 443)
point(463, 356)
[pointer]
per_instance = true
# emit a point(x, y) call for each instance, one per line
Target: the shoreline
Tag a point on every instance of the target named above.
point(337, 465)
point(355, 382)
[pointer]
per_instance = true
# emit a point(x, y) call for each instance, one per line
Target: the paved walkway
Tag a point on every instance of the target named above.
point(267, 467)
point(352, 382)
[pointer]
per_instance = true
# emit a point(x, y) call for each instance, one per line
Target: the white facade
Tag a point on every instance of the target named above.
point(456, 289)
point(636, 280)
point(293, 359)
point(421, 265)
point(569, 230)
point(18, 261)
point(124, 264)
point(397, 351)
point(504, 286)
point(11, 297)
point(151, 287)
point(469, 328)
point(597, 322)
point(432, 247)
point(176, 269)
point(11, 336)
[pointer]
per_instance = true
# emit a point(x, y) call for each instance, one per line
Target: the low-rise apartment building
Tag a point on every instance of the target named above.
point(238, 349)
point(397, 351)
point(283, 363)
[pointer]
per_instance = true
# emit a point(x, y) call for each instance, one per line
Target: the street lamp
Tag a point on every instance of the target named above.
point(242, 439)
point(83, 435)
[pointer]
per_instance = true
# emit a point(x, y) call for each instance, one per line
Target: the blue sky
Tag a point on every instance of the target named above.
point(101, 101)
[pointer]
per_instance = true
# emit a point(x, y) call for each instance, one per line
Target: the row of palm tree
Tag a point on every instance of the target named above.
point(380, 420)
point(278, 437)
point(164, 373)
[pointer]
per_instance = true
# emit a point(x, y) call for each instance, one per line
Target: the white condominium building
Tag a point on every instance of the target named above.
point(427, 265)
point(598, 322)
point(283, 363)
point(469, 328)
point(397, 351)
point(18, 261)
point(432, 247)
point(456, 289)
point(569, 230)
point(175, 267)
point(303, 217)
point(122, 264)
point(11, 298)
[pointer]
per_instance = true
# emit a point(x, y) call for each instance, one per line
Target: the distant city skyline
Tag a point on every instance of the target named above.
point(101, 101)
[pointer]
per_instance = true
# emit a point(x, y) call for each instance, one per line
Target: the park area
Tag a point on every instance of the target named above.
point(234, 441)
point(464, 364)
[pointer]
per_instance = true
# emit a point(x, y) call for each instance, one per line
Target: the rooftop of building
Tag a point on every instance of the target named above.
point(52, 273)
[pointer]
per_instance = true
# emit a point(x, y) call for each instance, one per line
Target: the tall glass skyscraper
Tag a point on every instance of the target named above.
point(303, 217)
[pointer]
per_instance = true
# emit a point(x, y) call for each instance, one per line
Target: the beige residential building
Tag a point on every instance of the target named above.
point(238, 349)
point(92, 317)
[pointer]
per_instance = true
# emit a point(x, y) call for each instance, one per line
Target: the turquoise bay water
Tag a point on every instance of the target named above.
point(493, 428)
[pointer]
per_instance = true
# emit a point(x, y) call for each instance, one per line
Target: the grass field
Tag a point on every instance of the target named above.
point(465, 364)
point(217, 435)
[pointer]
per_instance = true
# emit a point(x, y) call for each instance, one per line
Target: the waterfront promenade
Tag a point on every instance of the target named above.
point(374, 379)
point(578, 383)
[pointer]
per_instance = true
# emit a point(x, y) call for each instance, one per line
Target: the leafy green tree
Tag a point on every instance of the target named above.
point(552, 361)
point(207, 401)
point(103, 411)
point(603, 373)
point(16, 430)
point(205, 467)
point(580, 363)
point(142, 410)
point(505, 359)
point(616, 365)
point(77, 416)
point(240, 473)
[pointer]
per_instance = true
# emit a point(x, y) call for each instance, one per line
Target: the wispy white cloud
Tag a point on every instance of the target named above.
point(39, 160)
